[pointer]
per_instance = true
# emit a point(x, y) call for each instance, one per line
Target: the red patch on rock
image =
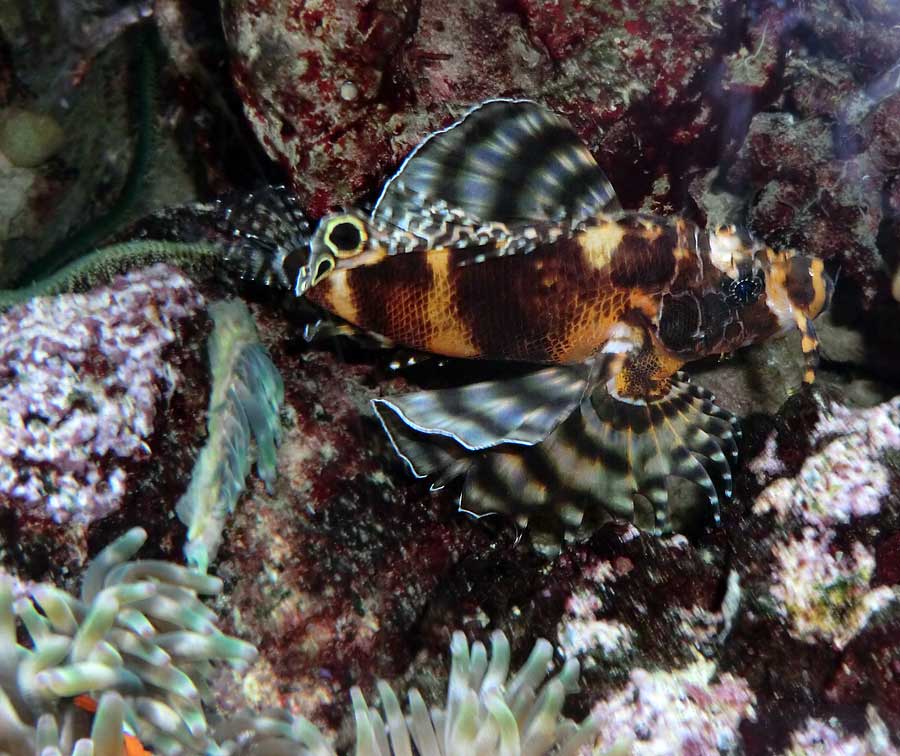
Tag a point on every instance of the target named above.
point(887, 561)
point(869, 672)
point(386, 74)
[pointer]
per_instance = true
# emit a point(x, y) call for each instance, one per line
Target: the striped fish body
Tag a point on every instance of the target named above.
point(557, 304)
point(501, 238)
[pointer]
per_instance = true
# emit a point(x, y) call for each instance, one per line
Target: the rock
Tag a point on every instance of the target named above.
point(82, 380)
point(17, 186)
point(339, 97)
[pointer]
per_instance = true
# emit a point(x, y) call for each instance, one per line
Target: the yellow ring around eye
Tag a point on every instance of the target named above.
point(345, 236)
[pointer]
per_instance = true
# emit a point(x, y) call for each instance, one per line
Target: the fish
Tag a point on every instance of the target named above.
point(131, 744)
point(500, 238)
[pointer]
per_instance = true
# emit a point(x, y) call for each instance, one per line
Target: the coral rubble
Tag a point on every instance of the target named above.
point(847, 478)
point(677, 712)
point(821, 585)
point(824, 594)
point(818, 738)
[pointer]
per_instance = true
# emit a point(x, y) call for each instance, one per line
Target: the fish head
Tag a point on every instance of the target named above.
point(341, 240)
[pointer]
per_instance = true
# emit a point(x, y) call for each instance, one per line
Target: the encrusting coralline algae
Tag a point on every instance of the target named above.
point(80, 378)
point(821, 589)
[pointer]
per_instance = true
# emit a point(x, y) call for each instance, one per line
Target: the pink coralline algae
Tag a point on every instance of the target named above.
point(679, 712)
point(80, 378)
point(823, 592)
point(846, 478)
point(582, 633)
point(821, 585)
point(818, 738)
point(582, 630)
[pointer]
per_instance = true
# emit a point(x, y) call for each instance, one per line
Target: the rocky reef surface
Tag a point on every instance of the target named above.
point(775, 631)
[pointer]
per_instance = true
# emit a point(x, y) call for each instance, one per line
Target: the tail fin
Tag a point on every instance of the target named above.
point(604, 459)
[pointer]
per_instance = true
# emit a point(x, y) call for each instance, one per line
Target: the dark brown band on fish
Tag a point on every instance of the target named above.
point(388, 298)
point(800, 281)
point(822, 288)
point(644, 258)
point(498, 301)
point(809, 343)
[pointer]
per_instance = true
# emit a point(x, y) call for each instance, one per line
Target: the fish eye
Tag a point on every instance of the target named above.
point(345, 236)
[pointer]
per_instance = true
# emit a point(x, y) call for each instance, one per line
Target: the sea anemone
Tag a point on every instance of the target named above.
point(486, 714)
point(137, 646)
point(138, 628)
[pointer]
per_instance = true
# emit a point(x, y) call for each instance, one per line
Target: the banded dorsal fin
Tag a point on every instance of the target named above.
point(506, 161)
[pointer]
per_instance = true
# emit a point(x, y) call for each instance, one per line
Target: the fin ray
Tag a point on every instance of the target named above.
point(267, 235)
point(506, 161)
point(606, 459)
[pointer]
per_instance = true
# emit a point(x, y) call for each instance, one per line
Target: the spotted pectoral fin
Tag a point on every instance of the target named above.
point(506, 161)
point(613, 459)
point(609, 459)
point(682, 435)
point(429, 429)
point(266, 234)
